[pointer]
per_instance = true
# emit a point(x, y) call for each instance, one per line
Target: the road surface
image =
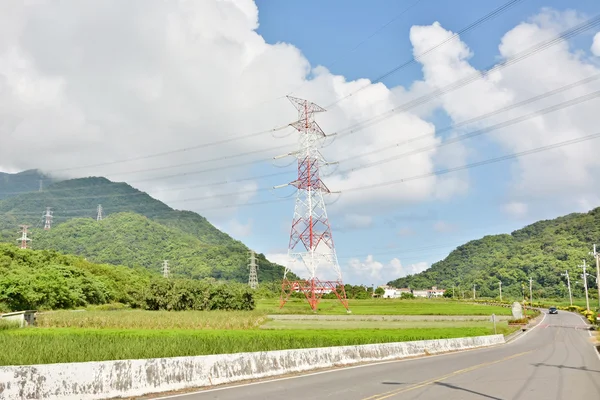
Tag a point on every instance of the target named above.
point(555, 360)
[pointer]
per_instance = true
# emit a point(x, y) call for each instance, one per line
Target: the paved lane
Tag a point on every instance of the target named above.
point(553, 361)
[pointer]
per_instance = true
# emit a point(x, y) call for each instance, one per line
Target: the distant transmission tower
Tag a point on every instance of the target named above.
point(99, 215)
point(310, 239)
point(48, 219)
point(24, 239)
point(253, 279)
point(165, 268)
point(41, 188)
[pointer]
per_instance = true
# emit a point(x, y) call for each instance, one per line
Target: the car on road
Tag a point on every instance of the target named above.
point(552, 310)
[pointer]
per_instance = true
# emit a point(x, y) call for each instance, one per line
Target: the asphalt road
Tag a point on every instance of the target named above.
point(555, 360)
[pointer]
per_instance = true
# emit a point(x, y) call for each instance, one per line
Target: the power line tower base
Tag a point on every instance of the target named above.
point(313, 290)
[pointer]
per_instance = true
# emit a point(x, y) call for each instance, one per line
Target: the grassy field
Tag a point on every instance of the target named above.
point(139, 319)
point(385, 307)
point(56, 345)
point(93, 335)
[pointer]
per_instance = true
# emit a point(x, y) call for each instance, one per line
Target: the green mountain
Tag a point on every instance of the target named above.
point(543, 250)
point(136, 230)
point(22, 182)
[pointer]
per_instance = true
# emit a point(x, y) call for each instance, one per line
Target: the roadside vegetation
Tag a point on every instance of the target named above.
point(54, 345)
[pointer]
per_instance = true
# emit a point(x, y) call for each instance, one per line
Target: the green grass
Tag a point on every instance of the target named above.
point(60, 345)
point(385, 307)
point(112, 334)
point(141, 319)
point(501, 326)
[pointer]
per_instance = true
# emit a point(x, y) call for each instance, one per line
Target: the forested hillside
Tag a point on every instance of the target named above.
point(26, 181)
point(136, 230)
point(542, 250)
point(43, 279)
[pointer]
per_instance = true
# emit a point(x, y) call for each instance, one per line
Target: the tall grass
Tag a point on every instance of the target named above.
point(385, 307)
point(140, 319)
point(6, 324)
point(42, 346)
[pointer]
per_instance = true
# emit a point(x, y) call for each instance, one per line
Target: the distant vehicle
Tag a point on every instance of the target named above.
point(552, 310)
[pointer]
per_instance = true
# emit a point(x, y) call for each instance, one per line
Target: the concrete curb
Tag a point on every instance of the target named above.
point(128, 378)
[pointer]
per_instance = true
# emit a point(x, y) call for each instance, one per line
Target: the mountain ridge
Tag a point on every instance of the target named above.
point(74, 203)
point(542, 250)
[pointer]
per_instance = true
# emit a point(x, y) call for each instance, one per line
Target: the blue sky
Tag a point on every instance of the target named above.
point(185, 74)
point(325, 32)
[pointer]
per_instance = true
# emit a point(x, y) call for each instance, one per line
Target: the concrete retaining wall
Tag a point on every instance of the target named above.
point(106, 379)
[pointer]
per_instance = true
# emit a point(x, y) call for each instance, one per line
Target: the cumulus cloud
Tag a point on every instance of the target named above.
point(596, 45)
point(570, 171)
point(98, 82)
point(369, 268)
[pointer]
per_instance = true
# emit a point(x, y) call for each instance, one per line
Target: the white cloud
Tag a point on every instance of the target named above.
point(516, 209)
point(239, 229)
point(94, 82)
point(596, 45)
point(443, 227)
point(362, 271)
point(559, 174)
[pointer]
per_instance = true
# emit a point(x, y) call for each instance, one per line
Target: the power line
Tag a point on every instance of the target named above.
point(376, 119)
point(567, 34)
point(479, 132)
point(382, 27)
point(481, 163)
point(420, 176)
point(414, 59)
point(175, 151)
point(481, 117)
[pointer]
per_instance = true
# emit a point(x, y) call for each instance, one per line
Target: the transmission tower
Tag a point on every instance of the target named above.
point(48, 219)
point(24, 239)
point(41, 188)
point(99, 214)
point(165, 268)
point(253, 278)
point(311, 242)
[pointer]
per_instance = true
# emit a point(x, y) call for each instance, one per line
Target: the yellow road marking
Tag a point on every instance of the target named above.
point(391, 393)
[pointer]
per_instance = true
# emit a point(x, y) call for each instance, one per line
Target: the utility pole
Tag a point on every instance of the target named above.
point(47, 219)
point(24, 239)
point(99, 214)
point(165, 268)
point(474, 292)
point(597, 257)
point(253, 278)
point(587, 300)
point(569, 286)
point(531, 291)
point(453, 291)
point(500, 286)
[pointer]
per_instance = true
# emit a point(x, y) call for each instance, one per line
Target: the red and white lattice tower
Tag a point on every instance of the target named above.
point(24, 239)
point(311, 242)
point(48, 219)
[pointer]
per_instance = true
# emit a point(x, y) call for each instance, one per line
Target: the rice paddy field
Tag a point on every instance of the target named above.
point(96, 335)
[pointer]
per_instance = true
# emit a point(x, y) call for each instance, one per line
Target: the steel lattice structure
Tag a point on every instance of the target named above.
point(311, 241)
point(48, 219)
